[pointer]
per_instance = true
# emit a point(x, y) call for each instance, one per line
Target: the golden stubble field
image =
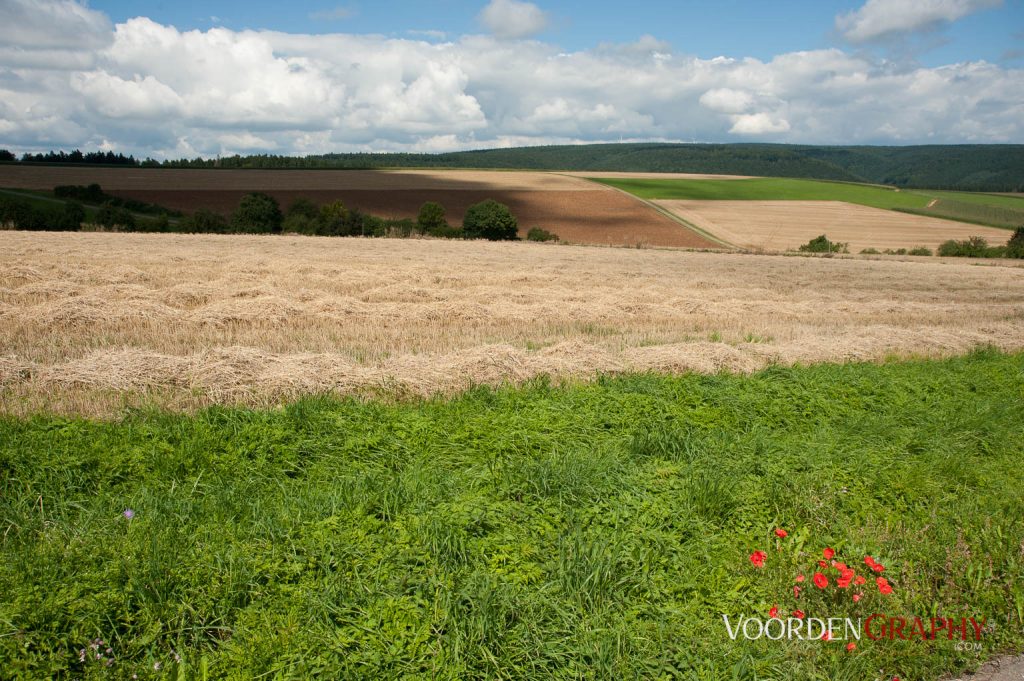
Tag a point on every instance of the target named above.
point(93, 322)
point(787, 225)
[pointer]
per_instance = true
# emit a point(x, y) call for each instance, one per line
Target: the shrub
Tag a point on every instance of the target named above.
point(333, 220)
point(920, 250)
point(257, 213)
point(69, 218)
point(431, 219)
point(302, 207)
point(821, 244)
point(205, 222)
point(113, 217)
point(538, 234)
point(299, 224)
point(490, 220)
point(975, 247)
point(1015, 246)
point(870, 251)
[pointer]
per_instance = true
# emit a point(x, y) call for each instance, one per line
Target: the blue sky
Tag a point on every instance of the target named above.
point(704, 28)
point(188, 78)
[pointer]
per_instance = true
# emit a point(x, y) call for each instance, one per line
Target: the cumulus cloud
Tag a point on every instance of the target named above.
point(884, 18)
point(149, 88)
point(512, 19)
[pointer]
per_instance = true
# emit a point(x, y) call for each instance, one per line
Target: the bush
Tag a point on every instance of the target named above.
point(205, 222)
point(431, 219)
point(1015, 246)
point(302, 207)
point(870, 251)
point(975, 247)
point(69, 218)
point(920, 250)
point(257, 213)
point(490, 220)
point(299, 224)
point(821, 244)
point(113, 217)
point(538, 234)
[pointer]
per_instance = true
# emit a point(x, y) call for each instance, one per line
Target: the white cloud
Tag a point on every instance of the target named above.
point(512, 19)
point(758, 124)
point(883, 18)
point(148, 88)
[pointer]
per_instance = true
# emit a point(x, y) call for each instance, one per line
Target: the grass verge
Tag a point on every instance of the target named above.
point(590, 531)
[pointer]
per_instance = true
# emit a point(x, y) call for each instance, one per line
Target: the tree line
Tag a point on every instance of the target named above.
point(978, 167)
point(257, 213)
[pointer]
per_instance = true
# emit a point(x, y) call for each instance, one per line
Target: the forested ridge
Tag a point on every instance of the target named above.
point(995, 168)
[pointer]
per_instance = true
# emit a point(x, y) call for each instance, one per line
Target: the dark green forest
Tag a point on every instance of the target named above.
point(993, 168)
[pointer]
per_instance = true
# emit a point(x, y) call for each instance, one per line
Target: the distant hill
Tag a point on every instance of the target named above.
point(992, 168)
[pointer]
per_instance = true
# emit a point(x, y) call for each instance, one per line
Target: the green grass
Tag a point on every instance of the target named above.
point(588, 531)
point(983, 209)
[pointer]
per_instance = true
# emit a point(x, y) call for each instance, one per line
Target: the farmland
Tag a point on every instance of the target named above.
point(786, 225)
point(577, 210)
point(783, 214)
point(93, 322)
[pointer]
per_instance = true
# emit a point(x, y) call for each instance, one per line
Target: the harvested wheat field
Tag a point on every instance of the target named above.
point(787, 225)
point(92, 322)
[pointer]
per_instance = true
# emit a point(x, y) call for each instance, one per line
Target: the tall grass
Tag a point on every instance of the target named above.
point(596, 531)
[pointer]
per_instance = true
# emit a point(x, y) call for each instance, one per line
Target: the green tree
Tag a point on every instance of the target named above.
point(303, 207)
point(113, 217)
point(431, 219)
point(489, 220)
point(257, 213)
point(1015, 246)
point(334, 220)
point(205, 222)
point(70, 217)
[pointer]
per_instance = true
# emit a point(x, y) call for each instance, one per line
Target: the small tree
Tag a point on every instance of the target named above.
point(334, 220)
point(70, 217)
point(431, 219)
point(303, 207)
point(257, 213)
point(112, 216)
point(490, 220)
point(821, 244)
point(205, 222)
point(1015, 246)
point(538, 234)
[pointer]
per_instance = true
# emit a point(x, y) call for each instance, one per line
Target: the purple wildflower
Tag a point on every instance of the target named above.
point(128, 513)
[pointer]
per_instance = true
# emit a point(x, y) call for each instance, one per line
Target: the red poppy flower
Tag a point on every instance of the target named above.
point(869, 561)
point(820, 580)
point(822, 563)
point(796, 592)
point(878, 567)
point(883, 586)
point(843, 583)
point(840, 566)
point(827, 636)
point(860, 580)
point(856, 597)
point(799, 578)
point(799, 614)
point(781, 533)
point(829, 554)
point(774, 612)
point(757, 558)
point(850, 647)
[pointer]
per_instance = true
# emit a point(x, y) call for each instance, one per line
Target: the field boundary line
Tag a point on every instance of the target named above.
point(667, 213)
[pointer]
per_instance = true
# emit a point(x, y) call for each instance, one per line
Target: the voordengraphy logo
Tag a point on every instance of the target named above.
point(825, 599)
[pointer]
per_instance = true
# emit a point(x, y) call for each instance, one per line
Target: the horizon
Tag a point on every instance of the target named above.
point(169, 82)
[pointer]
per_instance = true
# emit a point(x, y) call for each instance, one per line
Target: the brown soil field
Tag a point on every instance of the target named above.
point(576, 210)
point(47, 177)
point(607, 218)
point(91, 323)
point(787, 225)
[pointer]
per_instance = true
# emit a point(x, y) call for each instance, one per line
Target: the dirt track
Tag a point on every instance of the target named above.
point(786, 225)
point(92, 322)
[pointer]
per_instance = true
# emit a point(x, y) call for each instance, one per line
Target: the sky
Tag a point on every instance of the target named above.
point(186, 78)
